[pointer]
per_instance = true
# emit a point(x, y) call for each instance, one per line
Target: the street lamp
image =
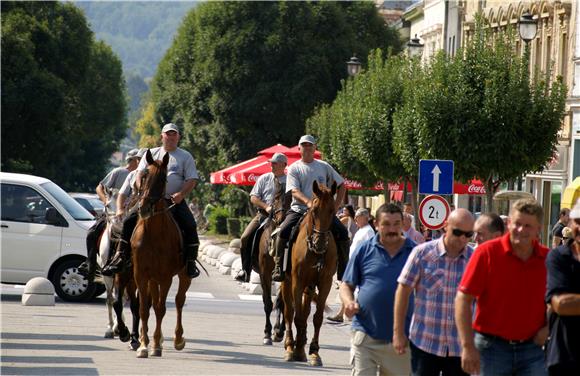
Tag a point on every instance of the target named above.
point(415, 47)
point(353, 66)
point(528, 27)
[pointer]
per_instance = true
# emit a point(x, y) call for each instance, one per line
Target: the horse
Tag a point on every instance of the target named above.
point(266, 265)
point(115, 286)
point(313, 264)
point(156, 244)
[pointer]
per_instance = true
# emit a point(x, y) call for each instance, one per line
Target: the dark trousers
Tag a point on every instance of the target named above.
point(247, 241)
point(182, 216)
point(426, 364)
point(93, 235)
point(339, 232)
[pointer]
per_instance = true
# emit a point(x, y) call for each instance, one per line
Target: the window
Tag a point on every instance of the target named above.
point(23, 204)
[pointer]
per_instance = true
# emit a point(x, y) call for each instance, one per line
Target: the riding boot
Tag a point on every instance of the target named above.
point(190, 258)
point(120, 261)
point(88, 268)
point(278, 273)
point(342, 247)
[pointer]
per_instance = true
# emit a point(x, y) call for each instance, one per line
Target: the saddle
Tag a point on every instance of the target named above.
point(287, 265)
point(255, 253)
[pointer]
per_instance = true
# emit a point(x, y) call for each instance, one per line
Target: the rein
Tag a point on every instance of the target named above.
point(317, 240)
point(148, 213)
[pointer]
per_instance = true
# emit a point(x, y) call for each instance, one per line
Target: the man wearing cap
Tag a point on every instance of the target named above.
point(507, 276)
point(563, 298)
point(262, 197)
point(128, 189)
point(301, 176)
point(181, 179)
point(107, 190)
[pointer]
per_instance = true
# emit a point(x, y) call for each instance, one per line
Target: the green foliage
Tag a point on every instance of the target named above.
point(241, 76)
point(236, 199)
point(234, 227)
point(63, 99)
point(218, 220)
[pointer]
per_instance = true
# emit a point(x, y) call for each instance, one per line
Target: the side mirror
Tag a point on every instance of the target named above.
point(53, 217)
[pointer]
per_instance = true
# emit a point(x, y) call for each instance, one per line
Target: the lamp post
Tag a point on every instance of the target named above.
point(353, 66)
point(415, 47)
point(528, 27)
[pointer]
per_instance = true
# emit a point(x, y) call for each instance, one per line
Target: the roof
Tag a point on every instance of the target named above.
point(22, 178)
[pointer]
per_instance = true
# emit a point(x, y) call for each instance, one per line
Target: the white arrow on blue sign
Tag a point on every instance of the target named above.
point(436, 177)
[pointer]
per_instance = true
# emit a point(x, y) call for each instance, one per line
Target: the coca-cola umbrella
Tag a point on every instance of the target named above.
point(223, 176)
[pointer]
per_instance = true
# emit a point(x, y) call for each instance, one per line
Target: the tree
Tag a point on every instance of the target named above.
point(61, 93)
point(243, 75)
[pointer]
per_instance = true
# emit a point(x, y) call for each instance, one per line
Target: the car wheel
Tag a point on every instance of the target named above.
point(69, 284)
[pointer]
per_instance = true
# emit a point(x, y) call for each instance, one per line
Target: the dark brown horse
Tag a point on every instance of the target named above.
point(313, 265)
point(156, 245)
point(266, 265)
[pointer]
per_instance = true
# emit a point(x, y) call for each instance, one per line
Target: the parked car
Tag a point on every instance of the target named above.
point(44, 235)
point(90, 201)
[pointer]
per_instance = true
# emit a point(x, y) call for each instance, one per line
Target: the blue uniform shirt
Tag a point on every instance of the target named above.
point(375, 273)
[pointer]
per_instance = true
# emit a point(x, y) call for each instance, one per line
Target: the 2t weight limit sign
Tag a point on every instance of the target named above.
point(433, 212)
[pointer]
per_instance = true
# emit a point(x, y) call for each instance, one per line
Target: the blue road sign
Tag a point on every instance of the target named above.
point(435, 177)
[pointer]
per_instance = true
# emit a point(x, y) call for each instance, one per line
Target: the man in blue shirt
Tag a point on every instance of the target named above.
point(374, 268)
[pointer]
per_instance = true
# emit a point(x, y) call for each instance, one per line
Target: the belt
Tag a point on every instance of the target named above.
point(512, 342)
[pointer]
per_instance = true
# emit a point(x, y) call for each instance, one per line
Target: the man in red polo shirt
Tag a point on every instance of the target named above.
point(507, 276)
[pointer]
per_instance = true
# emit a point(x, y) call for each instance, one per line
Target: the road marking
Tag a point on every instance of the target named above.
point(199, 295)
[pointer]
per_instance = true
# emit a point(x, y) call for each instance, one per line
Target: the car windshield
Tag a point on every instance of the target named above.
point(96, 203)
point(74, 208)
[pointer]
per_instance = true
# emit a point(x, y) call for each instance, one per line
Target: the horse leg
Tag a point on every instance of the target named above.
point(144, 306)
point(278, 327)
point(184, 283)
point(323, 291)
point(109, 333)
point(159, 296)
point(134, 302)
point(288, 318)
point(299, 319)
point(118, 307)
point(266, 282)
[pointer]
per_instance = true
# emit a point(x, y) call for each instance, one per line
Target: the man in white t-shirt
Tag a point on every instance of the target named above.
point(301, 175)
point(262, 197)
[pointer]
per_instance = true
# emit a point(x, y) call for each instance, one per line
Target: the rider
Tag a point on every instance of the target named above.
point(107, 190)
point(262, 196)
point(301, 175)
point(181, 179)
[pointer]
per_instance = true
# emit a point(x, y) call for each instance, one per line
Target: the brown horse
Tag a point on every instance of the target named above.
point(266, 265)
point(313, 264)
point(156, 245)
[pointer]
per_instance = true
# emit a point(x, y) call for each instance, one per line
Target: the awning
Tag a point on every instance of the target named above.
point(223, 176)
point(571, 194)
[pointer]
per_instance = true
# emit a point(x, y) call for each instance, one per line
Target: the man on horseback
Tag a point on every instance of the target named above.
point(181, 179)
point(301, 175)
point(107, 190)
point(262, 196)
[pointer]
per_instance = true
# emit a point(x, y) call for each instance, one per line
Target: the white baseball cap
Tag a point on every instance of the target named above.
point(169, 127)
point(279, 158)
point(307, 139)
point(133, 153)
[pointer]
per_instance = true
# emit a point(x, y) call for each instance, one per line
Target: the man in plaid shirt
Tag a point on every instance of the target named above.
point(434, 270)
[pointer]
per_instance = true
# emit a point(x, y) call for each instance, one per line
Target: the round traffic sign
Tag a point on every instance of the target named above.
point(433, 212)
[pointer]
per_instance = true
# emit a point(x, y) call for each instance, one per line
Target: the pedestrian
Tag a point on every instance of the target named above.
point(507, 276)
point(373, 269)
point(107, 190)
point(301, 177)
point(488, 226)
point(348, 221)
point(433, 272)
point(409, 231)
point(181, 180)
point(364, 233)
point(563, 219)
point(408, 208)
point(262, 197)
point(563, 298)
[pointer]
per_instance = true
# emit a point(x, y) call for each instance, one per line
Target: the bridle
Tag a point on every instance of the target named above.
point(146, 203)
point(317, 240)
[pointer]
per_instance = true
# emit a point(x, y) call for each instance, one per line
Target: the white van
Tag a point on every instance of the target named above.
point(43, 235)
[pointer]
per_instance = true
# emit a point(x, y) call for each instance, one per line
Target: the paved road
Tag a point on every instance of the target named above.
point(223, 328)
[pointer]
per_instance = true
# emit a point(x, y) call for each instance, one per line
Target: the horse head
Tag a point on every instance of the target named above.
point(153, 184)
point(281, 202)
point(321, 217)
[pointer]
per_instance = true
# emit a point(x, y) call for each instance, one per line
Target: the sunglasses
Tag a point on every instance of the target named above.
point(457, 232)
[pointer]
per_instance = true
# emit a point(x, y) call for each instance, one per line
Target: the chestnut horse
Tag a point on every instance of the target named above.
point(266, 264)
point(156, 244)
point(313, 264)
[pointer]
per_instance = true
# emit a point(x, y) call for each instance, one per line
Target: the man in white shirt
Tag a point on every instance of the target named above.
point(409, 231)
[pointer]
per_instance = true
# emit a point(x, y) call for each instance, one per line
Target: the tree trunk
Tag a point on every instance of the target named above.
point(489, 191)
point(414, 205)
point(386, 193)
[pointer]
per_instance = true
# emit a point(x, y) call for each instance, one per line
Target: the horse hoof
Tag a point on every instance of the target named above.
point(109, 334)
point(278, 338)
point(155, 352)
point(289, 356)
point(142, 352)
point(125, 338)
point(179, 345)
point(300, 357)
point(267, 341)
point(315, 360)
point(134, 345)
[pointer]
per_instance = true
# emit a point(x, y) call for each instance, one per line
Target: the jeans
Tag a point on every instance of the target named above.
point(427, 364)
point(499, 357)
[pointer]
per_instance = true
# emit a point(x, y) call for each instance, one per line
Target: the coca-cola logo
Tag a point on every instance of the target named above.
point(476, 189)
point(252, 178)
